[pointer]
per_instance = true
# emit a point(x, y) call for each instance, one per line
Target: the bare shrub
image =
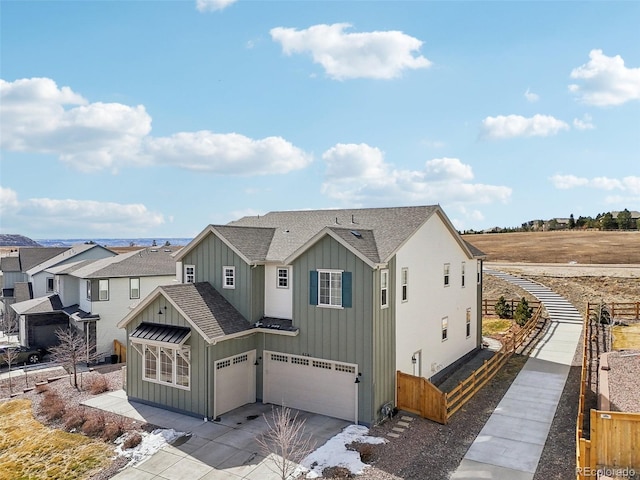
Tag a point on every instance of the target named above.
point(114, 427)
point(94, 424)
point(74, 419)
point(132, 440)
point(287, 441)
point(52, 406)
point(98, 384)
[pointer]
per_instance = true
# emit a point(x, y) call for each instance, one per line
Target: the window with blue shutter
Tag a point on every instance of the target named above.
point(330, 288)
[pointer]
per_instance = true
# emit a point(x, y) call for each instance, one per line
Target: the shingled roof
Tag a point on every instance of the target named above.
point(207, 309)
point(389, 227)
point(48, 304)
point(29, 257)
point(139, 263)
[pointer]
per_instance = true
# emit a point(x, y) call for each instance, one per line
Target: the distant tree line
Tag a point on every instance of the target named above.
point(623, 220)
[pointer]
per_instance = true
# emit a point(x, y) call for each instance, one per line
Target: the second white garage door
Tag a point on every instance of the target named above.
point(311, 384)
point(235, 382)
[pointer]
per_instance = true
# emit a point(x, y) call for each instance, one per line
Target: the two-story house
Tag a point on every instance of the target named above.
point(14, 268)
point(315, 310)
point(92, 295)
point(97, 294)
point(37, 306)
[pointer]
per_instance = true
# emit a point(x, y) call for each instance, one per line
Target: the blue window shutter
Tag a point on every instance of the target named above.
point(313, 287)
point(346, 290)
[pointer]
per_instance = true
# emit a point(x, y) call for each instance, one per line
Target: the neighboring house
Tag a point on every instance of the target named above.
point(98, 294)
point(314, 310)
point(14, 269)
point(93, 295)
point(36, 301)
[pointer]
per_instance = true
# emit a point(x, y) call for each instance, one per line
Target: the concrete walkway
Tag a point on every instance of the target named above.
point(511, 443)
point(227, 449)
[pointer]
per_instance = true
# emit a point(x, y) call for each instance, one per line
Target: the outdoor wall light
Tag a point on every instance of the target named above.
point(257, 362)
point(358, 378)
point(160, 312)
point(413, 359)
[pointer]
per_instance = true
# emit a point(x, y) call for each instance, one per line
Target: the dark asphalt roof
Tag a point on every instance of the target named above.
point(214, 316)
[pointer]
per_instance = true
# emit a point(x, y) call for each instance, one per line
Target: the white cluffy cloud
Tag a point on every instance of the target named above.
point(343, 55)
point(100, 218)
point(510, 126)
point(531, 97)
point(605, 81)
point(585, 123)
point(231, 153)
point(212, 5)
point(630, 184)
point(357, 174)
point(38, 116)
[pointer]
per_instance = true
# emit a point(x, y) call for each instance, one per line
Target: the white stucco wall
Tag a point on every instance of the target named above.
point(419, 319)
point(278, 302)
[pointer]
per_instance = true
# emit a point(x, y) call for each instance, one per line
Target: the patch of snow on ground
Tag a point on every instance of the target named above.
point(150, 444)
point(334, 453)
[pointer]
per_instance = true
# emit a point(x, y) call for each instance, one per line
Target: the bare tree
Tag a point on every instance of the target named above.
point(286, 441)
point(71, 351)
point(9, 356)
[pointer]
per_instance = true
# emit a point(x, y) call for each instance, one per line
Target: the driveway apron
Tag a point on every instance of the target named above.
point(227, 449)
point(511, 443)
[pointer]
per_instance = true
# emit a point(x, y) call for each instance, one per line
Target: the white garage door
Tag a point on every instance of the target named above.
point(235, 382)
point(311, 384)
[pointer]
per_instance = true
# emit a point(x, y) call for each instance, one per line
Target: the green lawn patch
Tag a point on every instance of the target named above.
point(495, 326)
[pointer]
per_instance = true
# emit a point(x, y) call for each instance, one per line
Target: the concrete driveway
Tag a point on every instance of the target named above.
point(227, 449)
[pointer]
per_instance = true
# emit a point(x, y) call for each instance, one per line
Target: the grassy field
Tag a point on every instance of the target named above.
point(560, 247)
point(31, 450)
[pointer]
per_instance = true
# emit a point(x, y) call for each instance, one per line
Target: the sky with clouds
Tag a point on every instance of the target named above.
point(156, 118)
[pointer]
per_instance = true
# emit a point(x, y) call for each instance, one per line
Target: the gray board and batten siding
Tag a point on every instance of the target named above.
point(209, 256)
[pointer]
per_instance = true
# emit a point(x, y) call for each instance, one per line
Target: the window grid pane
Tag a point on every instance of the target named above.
point(166, 365)
point(150, 362)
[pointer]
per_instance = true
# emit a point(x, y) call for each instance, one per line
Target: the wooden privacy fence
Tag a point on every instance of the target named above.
point(419, 395)
point(605, 440)
point(489, 305)
point(629, 310)
point(120, 350)
point(612, 446)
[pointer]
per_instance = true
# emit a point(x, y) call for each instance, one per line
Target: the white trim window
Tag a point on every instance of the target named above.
point(330, 288)
point(462, 274)
point(134, 288)
point(167, 365)
point(404, 280)
point(479, 271)
point(103, 289)
point(468, 322)
point(445, 328)
point(228, 277)
point(189, 274)
point(49, 284)
point(88, 284)
point(282, 278)
point(384, 288)
point(447, 269)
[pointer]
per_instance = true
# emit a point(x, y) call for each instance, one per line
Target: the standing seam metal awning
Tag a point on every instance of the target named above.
point(153, 332)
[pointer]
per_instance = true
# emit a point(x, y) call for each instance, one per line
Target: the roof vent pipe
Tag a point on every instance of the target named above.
point(353, 220)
